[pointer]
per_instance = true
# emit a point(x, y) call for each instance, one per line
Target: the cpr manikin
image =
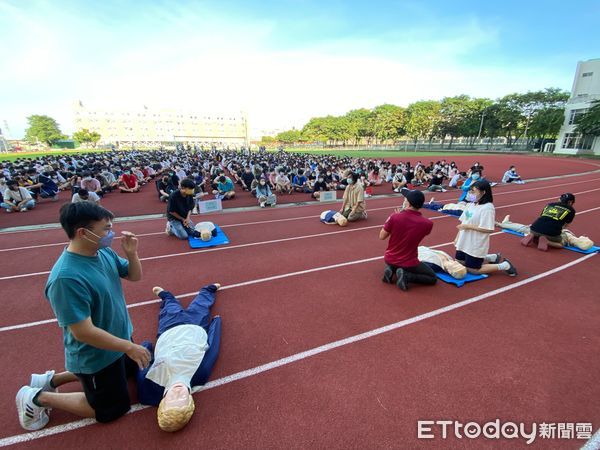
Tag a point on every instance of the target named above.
point(442, 260)
point(567, 236)
point(207, 230)
point(331, 217)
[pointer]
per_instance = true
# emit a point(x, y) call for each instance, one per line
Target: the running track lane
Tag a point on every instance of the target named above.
point(35, 307)
point(353, 394)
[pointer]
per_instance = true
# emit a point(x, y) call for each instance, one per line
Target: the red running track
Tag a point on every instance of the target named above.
point(503, 357)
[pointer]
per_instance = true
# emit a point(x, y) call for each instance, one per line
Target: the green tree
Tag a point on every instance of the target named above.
point(289, 137)
point(388, 122)
point(267, 140)
point(589, 123)
point(361, 124)
point(546, 124)
point(44, 129)
point(423, 120)
point(87, 137)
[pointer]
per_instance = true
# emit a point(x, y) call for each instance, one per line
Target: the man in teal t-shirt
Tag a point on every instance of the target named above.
point(225, 189)
point(84, 290)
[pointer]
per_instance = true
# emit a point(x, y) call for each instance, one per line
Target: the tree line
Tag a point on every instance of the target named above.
point(529, 116)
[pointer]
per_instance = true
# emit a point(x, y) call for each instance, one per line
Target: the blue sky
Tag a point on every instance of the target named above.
point(281, 61)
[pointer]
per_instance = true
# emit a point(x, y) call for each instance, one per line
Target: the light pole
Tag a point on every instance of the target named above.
point(481, 124)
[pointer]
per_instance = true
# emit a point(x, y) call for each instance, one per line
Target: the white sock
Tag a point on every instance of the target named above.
point(504, 265)
point(490, 258)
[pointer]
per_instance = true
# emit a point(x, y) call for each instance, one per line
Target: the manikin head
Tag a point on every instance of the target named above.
point(176, 408)
point(455, 269)
point(581, 242)
point(205, 232)
point(340, 220)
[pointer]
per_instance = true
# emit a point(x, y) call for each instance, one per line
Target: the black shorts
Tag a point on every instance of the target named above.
point(469, 261)
point(106, 390)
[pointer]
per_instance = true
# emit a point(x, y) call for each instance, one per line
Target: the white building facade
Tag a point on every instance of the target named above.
point(150, 127)
point(586, 89)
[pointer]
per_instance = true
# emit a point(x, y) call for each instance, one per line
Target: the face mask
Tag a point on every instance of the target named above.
point(471, 197)
point(104, 241)
point(475, 176)
point(349, 181)
point(320, 180)
point(262, 183)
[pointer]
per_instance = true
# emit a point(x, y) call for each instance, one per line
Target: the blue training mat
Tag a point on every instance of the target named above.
point(593, 249)
point(220, 239)
point(434, 207)
point(459, 283)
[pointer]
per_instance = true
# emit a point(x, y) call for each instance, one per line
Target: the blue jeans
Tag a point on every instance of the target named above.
point(179, 230)
point(30, 204)
point(171, 315)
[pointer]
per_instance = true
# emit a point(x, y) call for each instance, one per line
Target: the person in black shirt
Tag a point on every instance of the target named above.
point(319, 186)
point(246, 179)
point(179, 208)
point(165, 187)
point(546, 230)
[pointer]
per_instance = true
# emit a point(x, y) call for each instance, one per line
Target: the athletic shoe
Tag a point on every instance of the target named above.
point(31, 416)
point(444, 190)
point(388, 275)
point(543, 244)
point(397, 190)
point(42, 381)
point(498, 259)
point(8, 210)
point(527, 240)
point(512, 270)
point(23, 210)
point(401, 282)
point(262, 204)
point(194, 211)
point(168, 229)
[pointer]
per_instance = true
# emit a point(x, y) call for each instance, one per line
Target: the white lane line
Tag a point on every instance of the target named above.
point(274, 241)
point(261, 222)
point(230, 286)
point(26, 437)
point(260, 280)
point(593, 443)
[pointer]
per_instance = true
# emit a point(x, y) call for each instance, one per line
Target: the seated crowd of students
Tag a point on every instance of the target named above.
point(221, 173)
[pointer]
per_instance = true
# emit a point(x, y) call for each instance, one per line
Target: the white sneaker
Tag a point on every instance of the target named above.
point(8, 210)
point(42, 381)
point(444, 190)
point(168, 229)
point(195, 211)
point(31, 416)
point(262, 205)
point(23, 210)
point(397, 191)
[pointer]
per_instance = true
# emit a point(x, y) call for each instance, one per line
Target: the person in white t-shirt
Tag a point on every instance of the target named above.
point(84, 196)
point(473, 239)
point(17, 198)
point(186, 349)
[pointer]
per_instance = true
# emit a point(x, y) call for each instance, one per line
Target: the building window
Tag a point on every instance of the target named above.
point(575, 113)
point(587, 74)
point(577, 141)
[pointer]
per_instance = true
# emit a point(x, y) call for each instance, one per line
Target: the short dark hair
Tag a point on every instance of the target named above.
point(222, 178)
point(83, 192)
point(79, 215)
point(188, 184)
point(485, 187)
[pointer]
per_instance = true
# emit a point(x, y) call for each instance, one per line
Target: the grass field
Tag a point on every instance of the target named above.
point(33, 155)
